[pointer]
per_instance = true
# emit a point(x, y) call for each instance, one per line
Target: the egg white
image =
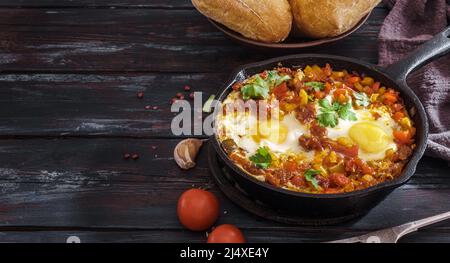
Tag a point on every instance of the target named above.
point(241, 127)
point(385, 122)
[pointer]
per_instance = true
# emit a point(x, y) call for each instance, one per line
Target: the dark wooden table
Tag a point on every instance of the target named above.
point(70, 72)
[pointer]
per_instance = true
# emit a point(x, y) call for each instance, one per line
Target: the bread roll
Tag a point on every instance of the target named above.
point(326, 18)
point(262, 20)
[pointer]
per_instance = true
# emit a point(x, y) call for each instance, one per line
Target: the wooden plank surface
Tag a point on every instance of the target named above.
point(69, 75)
point(95, 105)
point(73, 184)
point(138, 40)
point(178, 4)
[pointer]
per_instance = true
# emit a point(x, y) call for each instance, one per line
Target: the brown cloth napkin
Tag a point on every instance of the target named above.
point(409, 24)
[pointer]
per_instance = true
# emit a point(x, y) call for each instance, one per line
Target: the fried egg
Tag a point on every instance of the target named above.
point(249, 133)
point(372, 135)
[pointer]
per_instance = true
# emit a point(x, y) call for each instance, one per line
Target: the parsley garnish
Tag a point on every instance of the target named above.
point(361, 99)
point(310, 177)
point(262, 158)
point(274, 79)
point(317, 86)
point(346, 113)
point(330, 114)
point(259, 88)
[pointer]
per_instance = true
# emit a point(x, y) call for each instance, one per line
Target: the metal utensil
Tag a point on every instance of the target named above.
point(393, 234)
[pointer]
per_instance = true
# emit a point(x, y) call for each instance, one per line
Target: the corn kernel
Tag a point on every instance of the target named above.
point(374, 97)
point(345, 141)
point(367, 81)
point(349, 188)
point(337, 74)
point(358, 86)
point(405, 122)
point(389, 153)
point(338, 168)
point(367, 178)
point(308, 71)
point(303, 97)
point(332, 157)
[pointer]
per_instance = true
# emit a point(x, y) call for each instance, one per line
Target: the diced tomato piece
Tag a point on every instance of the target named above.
point(280, 91)
point(389, 98)
point(404, 136)
point(299, 181)
point(398, 115)
point(324, 182)
point(340, 95)
point(237, 86)
point(327, 70)
point(291, 166)
point(339, 92)
point(327, 87)
point(339, 179)
point(353, 80)
point(364, 167)
point(319, 94)
point(351, 151)
point(347, 151)
point(376, 86)
point(263, 74)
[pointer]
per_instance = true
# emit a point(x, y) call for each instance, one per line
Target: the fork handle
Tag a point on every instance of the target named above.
point(414, 226)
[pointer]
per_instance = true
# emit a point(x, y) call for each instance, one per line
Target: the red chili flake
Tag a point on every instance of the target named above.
point(135, 156)
point(155, 107)
point(191, 95)
point(140, 94)
point(148, 107)
point(126, 156)
point(187, 88)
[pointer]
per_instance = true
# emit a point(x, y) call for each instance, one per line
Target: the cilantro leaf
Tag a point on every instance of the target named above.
point(346, 113)
point(324, 103)
point(262, 158)
point(310, 177)
point(336, 106)
point(275, 79)
point(361, 99)
point(327, 119)
point(257, 89)
point(330, 113)
point(328, 116)
point(317, 86)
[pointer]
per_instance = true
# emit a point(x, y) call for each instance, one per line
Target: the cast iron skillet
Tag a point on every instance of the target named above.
point(357, 202)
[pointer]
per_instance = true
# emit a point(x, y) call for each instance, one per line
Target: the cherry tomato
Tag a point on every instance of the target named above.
point(226, 234)
point(197, 209)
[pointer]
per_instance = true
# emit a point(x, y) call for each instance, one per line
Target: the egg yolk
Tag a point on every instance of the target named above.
point(369, 137)
point(276, 133)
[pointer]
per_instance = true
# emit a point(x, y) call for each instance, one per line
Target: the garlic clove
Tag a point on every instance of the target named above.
point(186, 151)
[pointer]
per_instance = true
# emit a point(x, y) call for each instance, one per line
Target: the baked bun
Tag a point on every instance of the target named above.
point(326, 18)
point(262, 20)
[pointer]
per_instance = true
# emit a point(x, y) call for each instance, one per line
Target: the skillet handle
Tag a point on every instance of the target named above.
point(436, 47)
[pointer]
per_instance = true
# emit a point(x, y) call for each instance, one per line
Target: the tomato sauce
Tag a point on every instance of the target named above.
point(336, 166)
